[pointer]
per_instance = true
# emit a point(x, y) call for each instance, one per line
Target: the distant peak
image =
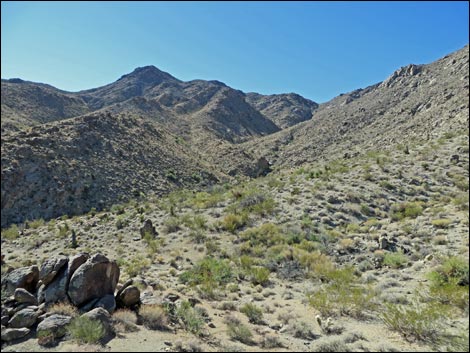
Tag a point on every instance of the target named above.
point(149, 73)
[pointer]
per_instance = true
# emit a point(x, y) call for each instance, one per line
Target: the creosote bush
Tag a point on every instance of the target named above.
point(86, 330)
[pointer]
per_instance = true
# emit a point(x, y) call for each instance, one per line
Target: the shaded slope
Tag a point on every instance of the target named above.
point(96, 160)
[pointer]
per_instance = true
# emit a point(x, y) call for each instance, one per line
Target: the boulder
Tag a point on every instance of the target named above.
point(95, 278)
point(24, 277)
point(10, 334)
point(24, 318)
point(52, 327)
point(107, 302)
point(23, 296)
point(129, 297)
point(101, 315)
point(50, 268)
point(56, 291)
point(148, 228)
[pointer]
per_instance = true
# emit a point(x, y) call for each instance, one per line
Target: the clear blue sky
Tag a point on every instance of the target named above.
point(316, 49)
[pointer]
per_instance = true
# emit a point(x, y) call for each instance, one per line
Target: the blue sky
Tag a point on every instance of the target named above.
point(316, 49)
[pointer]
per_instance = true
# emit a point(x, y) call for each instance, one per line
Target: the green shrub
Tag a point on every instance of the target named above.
point(208, 271)
point(441, 223)
point(172, 224)
point(267, 235)
point(423, 322)
point(395, 259)
point(406, 210)
point(86, 330)
point(259, 275)
point(191, 318)
point(232, 222)
point(253, 312)
point(11, 233)
point(239, 332)
point(449, 283)
point(35, 223)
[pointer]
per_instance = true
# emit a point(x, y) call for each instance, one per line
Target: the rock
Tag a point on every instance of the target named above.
point(148, 228)
point(50, 268)
point(262, 167)
point(124, 286)
point(386, 244)
point(57, 290)
point(454, 159)
point(5, 320)
point(52, 327)
point(23, 296)
point(24, 318)
point(24, 277)
point(95, 278)
point(10, 334)
point(129, 297)
point(107, 302)
point(101, 315)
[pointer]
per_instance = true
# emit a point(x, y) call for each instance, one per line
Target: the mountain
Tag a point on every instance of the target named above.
point(27, 103)
point(415, 103)
point(93, 161)
point(202, 128)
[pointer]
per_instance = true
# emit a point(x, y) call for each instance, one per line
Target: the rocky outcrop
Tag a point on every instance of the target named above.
point(24, 277)
point(149, 229)
point(96, 278)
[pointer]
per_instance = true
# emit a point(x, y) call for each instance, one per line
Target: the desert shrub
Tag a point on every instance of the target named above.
point(126, 318)
point(208, 271)
point(267, 235)
point(441, 223)
point(63, 309)
point(406, 210)
point(172, 224)
point(422, 322)
point(232, 222)
point(271, 341)
point(461, 201)
point(449, 282)
point(239, 332)
point(331, 345)
point(86, 330)
point(11, 233)
point(301, 329)
point(154, 317)
point(259, 275)
point(34, 224)
point(395, 259)
point(253, 312)
point(135, 265)
point(252, 201)
point(191, 317)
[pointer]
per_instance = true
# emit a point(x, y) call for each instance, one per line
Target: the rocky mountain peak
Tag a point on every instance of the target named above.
point(149, 74)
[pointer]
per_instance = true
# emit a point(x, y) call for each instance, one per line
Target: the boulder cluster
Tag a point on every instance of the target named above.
point(86, 282)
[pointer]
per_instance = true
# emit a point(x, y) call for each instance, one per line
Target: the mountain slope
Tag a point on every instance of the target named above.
point(417, 102)
point(27, 103)
point(70, 166)
point(283, 109)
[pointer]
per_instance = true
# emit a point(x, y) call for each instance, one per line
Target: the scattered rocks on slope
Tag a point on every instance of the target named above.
point(24, 318)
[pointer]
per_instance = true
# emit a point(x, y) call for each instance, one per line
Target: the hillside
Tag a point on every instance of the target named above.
point(94, 161)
